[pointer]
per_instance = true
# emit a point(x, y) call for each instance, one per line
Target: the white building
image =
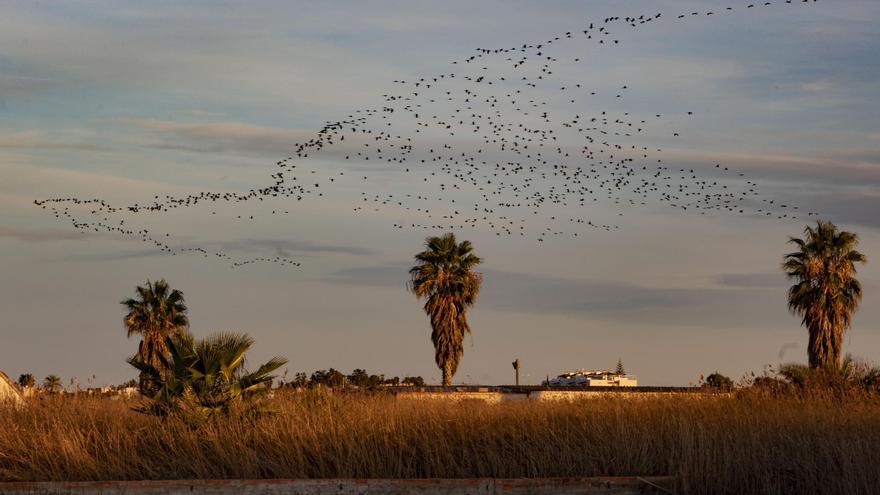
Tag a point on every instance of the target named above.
point(593, 378)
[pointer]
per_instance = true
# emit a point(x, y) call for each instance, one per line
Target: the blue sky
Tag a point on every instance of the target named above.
point(123, 101)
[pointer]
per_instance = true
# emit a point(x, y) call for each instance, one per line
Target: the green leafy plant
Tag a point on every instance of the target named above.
point(205, 377)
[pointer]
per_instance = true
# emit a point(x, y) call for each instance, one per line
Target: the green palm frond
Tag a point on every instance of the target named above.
point(203, 377)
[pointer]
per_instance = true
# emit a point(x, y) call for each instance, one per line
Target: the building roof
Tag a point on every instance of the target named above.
point(8, 390)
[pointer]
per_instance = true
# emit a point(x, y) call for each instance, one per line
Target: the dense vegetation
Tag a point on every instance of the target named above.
point(758, 441)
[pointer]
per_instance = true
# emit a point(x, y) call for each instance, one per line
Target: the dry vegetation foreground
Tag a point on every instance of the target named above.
point(717, 445)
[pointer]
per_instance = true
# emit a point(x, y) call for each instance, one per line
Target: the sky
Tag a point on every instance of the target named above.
point(125, 101)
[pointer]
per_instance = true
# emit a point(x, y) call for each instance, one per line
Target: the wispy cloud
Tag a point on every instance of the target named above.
point(42, 235)
point(217, 137)
point(292, 248)
point(752, 280)
point(529, 293)
point(110, 256)
point(240, 247)
point(856, 207)
point(855, 167)
point(818, 86)
point(38, 140)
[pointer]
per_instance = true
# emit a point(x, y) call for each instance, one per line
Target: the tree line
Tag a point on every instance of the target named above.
point(359, 378)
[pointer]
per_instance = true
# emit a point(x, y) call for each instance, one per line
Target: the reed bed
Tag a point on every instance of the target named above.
point(743, 444)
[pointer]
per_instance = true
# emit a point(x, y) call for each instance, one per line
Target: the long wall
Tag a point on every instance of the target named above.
point(488, 395)
point(484, 486)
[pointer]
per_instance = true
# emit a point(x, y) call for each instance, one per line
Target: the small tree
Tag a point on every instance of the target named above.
point(620, 370)
point(719, 382)
point(415, 381)
point(328, 378)
point(300, 380)
point(359, 378)
point(26, 380)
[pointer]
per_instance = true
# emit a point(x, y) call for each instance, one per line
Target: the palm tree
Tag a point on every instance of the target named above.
point(444, 277)
point(52, 383)
point(205, 376)
point(825, 291)
point(155, 314)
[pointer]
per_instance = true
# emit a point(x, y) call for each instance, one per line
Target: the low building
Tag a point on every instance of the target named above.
point(8, 390)
point(593, 378)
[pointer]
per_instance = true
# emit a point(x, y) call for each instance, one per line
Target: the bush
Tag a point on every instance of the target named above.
point(719, 382)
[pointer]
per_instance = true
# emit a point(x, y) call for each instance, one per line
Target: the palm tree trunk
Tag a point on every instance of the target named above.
point(447, 374)
point(824, 348)
point(814, 348)
point(836, 345)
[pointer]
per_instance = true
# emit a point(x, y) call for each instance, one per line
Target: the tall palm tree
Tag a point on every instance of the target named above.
point(825, 292)
point(156, 313)
point(205, 376)
point(445, 278)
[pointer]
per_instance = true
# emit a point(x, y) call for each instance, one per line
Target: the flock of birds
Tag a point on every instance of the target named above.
point(508, 141)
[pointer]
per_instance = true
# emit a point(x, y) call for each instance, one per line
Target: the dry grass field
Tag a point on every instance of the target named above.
point(744, 444)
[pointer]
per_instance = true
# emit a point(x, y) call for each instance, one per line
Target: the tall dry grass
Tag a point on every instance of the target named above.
point(746, 444)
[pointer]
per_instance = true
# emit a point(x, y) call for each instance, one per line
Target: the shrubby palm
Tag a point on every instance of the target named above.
point(52, 384)
point(205, 376)
point(850, 373)
point(445, 278)
point(155, 314)
point(825, 291)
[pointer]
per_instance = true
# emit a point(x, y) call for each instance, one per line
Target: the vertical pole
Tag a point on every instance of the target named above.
point(516, 368)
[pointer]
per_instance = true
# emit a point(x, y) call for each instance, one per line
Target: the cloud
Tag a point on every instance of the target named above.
point(818, 86)
point(280, 247)
point(51, 182)
point(222, 137)
point(849, 167)
point(752, 280)
point(856, 207)
point(220, 56)
point(114, 256)
point(12, 85)
point(610, 300)
point(37, 140)
point(43, 235)
point(201, 113)
point(286, 247)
